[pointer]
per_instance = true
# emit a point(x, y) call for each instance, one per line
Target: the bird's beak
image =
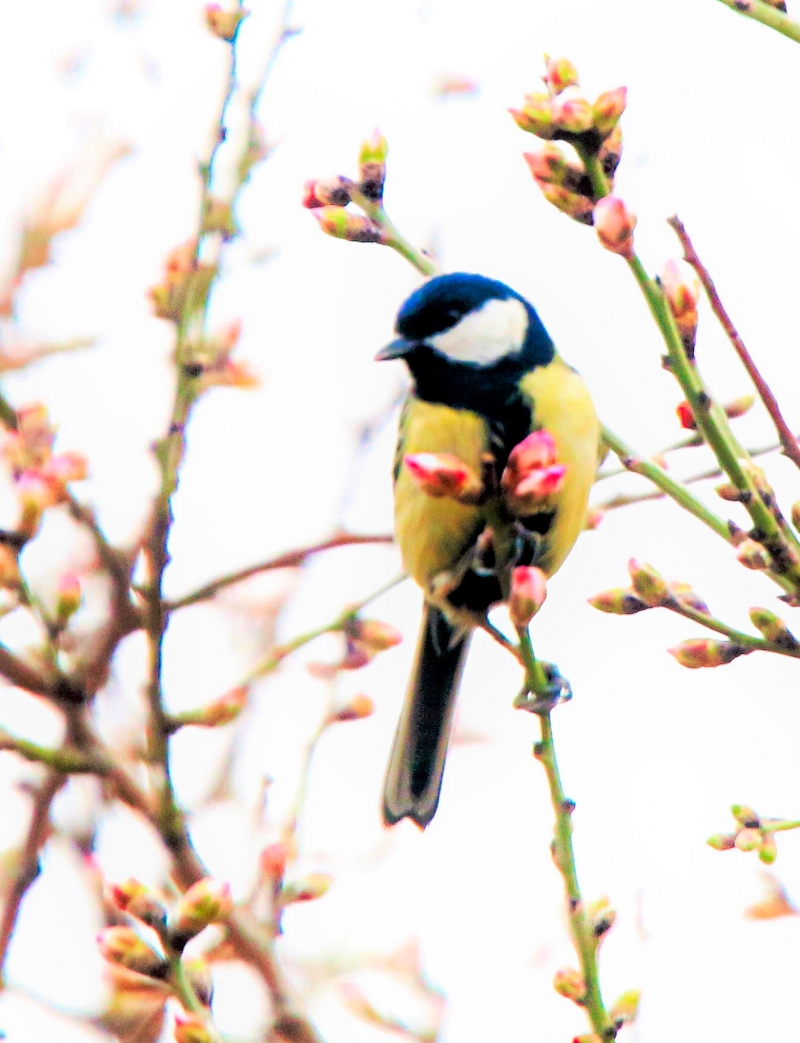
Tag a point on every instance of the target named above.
point(397, 349)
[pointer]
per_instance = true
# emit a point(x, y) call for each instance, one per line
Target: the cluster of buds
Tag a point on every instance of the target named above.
point(185, 284)
point(531, 476)
point(209, 361)
point(224, 24)
point(328, 198)
point(752, 833)
point(681, 288)
point(40, 476)
point(648, 589)
point(592, 129)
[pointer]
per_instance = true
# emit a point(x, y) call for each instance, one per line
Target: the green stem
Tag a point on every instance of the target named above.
point(780, 825)
point(738, 637)
point(563, 853)
point(766, 15)
point(393, 237)
point(674, 489)
point(564, 857)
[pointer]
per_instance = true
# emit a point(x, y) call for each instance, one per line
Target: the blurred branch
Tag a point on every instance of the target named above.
point(789, 443)
point(276, 657)
point(28, 858)
point(290, 560)
point(767, 15)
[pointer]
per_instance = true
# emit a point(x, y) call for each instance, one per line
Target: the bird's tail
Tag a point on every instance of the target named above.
point(416, 763)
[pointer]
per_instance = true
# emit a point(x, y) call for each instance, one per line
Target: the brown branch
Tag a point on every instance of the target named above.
point(290, 560)
point(28, 864)
point(789, 443)
point(21, 675)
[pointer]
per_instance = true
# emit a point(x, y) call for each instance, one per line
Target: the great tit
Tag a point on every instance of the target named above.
point(485, 374)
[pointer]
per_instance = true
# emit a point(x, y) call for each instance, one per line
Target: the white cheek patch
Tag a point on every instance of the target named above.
point(485, 336)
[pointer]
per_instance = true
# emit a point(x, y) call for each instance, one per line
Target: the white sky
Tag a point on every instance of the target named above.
point(652, 753)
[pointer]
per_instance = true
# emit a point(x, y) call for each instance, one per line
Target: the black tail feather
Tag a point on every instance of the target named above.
point(416, 763)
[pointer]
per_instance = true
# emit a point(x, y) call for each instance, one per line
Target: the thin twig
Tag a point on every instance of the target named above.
point(767, 15)
point(28, 859)
point(290, 560)
point(788, 441)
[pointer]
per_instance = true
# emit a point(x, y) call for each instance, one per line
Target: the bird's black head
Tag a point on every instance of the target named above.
point(464, 335)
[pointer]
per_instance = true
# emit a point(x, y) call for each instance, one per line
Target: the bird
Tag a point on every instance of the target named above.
point(485, 374)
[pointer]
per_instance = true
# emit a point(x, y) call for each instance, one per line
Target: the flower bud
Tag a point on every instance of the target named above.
point(648, 584)
point(331, 191)
point(768, 851)
point(372, 166)
point(686, 416)
point(614, 224)
point(607, 110)
point(746, 816)
point(139, 901)
point(772, 628)
point(192, 1028)
point(537, 485)
point(375, 634)
point(536, 115)
point(625, 1007)
point(722, 841)
point(341, 224)
point(570, 983)
point(68, 597)
point(538, 449)
point(611, 152)
point(739, 406)
point(748, 840)
point(572, 113)
point(311, 887)
point(223, 710)
point(528, 591)
point(594, 518)
point(601, 917)
point(753, 555)
point(206, 902)
point(441, 474)
point(705, 652)
point(683, 593)
point(728, 491)
point(548, 163)
point(224, 24)
point(560, 73)
point(35, 496)
point(273, 860)
point(579, 207)
point(620, 601)
point(359, 707)
point(122, 945)
point(682, 292)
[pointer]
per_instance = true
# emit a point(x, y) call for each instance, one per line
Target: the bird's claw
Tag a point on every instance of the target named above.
point(558, 690)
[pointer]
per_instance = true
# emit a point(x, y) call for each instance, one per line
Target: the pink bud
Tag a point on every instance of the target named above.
point(615, 224)
point(440, 474)
point(686, 416)
point(206, 902)
point(537, 450)
point(359, 707)
point(122, 945)
point(68, 596)
point(528, 591)
point(224, 24)
point(572, 112)
point(341, 224)
point(681, 287)
point(607, 110)
point(575, 205)
point(536, 115)
point(560, 74)
point(192, 1028)
point(541, 483)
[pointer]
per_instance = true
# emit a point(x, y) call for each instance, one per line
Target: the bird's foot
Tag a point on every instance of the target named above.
point(558, 690)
